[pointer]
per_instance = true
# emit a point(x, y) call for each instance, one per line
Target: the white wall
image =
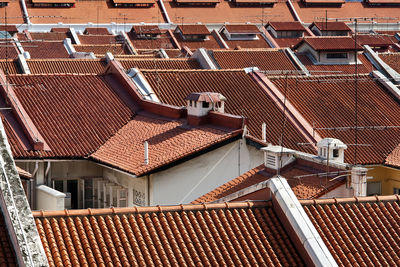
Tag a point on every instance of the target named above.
point(137, 186)
point(194, 178)
point(49, 199)
point(341, 191)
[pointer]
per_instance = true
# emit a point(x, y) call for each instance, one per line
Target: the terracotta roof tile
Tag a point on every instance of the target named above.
point(168, 142)
point(176, 63)
point(331, 26)
point(329, 43)
point(304, 188)
point(163, 41)
point(338, 110)
point(244, 97)
point(242, 28)
point(145, 29)
point(23, 173)
point(46, 49)
point(287, 42)
point(115, 49)
point(75, 114)
point(374, 40)
point(50, 36)
point(210, 43)
point(247, 234)
point(96, 31)
point(61, 29)
point(347, 10)
point(286, 26)
point(263, 59)
point(226, 12)
point(104, 12)
point(362, 230)
point(259, 43)
point(39, 66)
point(14, 13)
point(99, 39)
point(194, 29)
point(364, 66)
point(9, 66)
point(392, 59)
point(8, 52)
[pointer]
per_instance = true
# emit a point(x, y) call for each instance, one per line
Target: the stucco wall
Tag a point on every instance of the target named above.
point(190, 180)
point(389, 178)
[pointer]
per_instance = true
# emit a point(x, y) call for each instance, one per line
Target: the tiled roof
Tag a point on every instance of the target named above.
point(347, 10)
point(39, 66)
point(23, 173)
point(7, 253)
point(286, 26)
point(392, 59)
point(364, 66)
point(10, 66)
point(163, 41)
point(174, 53)
point(260, 43)
point(96, 12)
point(304, 188)
point(242, 28)
point(194, 29)
point(14, 13)
point(61, 29)
point(331, 26)
point(263, 59)
point(328, 43)
point(99, 39)
point(96, 31)
point(359, 231)
point(146, 29)
point(225, 11)
point(75, 114)
point(46, 49)
point(8, 52)
point(50, 36)
point(233, 234)
point(244, 97)
point(115, 49)
point(159, 63)
point(210, 43)
point(168, 140)
point(287, 42)
point(374, 40)
point(328, 102)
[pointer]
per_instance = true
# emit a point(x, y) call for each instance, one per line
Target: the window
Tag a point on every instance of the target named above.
point(335, 153)
point(336, 55)
point(396, 191)
point(373, 188)
point(206, 105)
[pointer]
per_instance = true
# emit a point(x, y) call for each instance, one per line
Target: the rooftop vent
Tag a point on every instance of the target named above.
point(199, 104)
point(331, 148)
point(276, 157)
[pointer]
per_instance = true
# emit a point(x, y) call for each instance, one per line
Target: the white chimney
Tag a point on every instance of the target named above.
point(359, 181)
point(331, 148)
point(199, 104)
point(276, 157)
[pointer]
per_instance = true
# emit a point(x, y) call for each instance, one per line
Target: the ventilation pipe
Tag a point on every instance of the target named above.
point(146, 152)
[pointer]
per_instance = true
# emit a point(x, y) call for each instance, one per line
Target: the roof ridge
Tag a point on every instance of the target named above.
point(349, 200)
point(194, 70)
point(158, 208)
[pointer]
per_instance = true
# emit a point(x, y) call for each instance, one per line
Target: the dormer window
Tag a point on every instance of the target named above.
point(335, 153)
point(241, 32)
point(206, 105)
point(336, 55)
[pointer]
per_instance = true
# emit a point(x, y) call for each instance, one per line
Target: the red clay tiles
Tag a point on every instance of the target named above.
point(329, 102)
point(163, 41)
point(168, 141)
point(99, 39)
point(329, 43)
point(309, 187)
point(237, 234)
point(115, 49)
point(392, 59)
point(359, 231)
point(331, 26)
point(40, 66)
point(244, 97)
point(75, 114)
point(50, 36)
point(46, 49)
point(269, 60)
point(177, 63)
point(259, 43)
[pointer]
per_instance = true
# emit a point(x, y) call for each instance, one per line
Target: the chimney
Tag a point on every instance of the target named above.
point(276, 157)
point(199, 104)
point(359, 181)
point(331, 148)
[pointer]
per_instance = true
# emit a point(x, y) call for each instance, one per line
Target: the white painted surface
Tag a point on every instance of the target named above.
point(49, 199)
point(187, 181)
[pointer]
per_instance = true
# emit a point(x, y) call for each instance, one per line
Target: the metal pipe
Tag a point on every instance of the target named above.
point(146, 152)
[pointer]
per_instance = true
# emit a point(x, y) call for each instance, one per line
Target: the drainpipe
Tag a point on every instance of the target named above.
point(46, 173)
point(36, 169)
point(25, 10)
